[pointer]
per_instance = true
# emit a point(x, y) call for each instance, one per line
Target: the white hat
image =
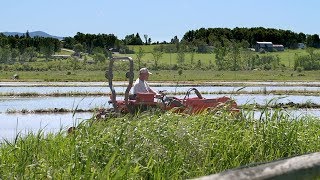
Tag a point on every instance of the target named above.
point(144, 70)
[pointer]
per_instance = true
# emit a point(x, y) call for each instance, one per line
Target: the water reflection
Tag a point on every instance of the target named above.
point(22, 124)
point(33, 103)
point(168, 83)
point(170, 89)
point(292, 114)
point(92, 102)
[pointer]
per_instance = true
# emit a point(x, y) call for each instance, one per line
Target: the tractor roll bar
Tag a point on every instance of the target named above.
point(195, 90)
point(129, 75)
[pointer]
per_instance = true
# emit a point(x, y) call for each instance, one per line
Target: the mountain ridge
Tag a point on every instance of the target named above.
point(32, 34)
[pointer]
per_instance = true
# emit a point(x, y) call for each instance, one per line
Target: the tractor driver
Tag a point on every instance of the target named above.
point(141, 85)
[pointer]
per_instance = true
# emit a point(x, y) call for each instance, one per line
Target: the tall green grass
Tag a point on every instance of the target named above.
point(159, 146)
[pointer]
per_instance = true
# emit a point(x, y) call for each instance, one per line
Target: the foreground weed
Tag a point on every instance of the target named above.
point(159, 146)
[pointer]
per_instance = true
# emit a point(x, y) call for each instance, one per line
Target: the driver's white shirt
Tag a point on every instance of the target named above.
point(140, 86)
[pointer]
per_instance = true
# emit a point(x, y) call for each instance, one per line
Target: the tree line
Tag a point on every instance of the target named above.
point(24, 48)
point(230, 47)
point(287, 38)
point(196, 39)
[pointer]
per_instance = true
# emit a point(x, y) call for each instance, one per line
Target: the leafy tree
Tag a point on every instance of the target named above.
point(98, 50)
point(31, 53)
point(77, 49)
point(27, 34)
point(138, 40)
point(235, 57)
point(125, 50)
point(212, 39)
point(129, 39)
point(212, 35)
point(175, 41)
point(249, 59)
point(301, 37)
point(308, 62)
point(156, 56)
point(14, 54)
point(91, 41)
point(69, 42)
point(181, 57)
point(5, 55)
point(85, 60)
point(313, 41)
point(310, 51)
point(146, 38)
point(47, 50)
point(169, 48)
point(99, 57)
point(192, 57)
point(198, 64)
point(75, 64)
point(149, 41)
point(220, 55)
point(133, 39)
point(24, 57)
point(139, 55)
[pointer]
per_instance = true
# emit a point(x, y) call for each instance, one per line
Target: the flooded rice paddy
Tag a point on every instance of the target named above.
point(22, 123)
point(169, 89)
point(93, 102)
point(12, 125)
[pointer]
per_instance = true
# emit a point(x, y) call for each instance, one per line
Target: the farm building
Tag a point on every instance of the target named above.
point(301, 45)
point(278, 47)
point(268, 46)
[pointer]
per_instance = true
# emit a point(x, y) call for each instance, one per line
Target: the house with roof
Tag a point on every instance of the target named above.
point(268, 46)
point(278, 47)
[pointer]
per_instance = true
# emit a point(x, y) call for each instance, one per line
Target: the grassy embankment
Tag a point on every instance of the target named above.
point(167, 75)
point(159, 146)
point(286, 58)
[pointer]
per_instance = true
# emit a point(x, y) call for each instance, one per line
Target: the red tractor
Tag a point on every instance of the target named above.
point(143, 101)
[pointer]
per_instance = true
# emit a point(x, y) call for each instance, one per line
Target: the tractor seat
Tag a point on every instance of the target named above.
point(132, 96)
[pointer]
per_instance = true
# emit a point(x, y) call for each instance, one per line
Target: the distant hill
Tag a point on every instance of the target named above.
point(32, 34)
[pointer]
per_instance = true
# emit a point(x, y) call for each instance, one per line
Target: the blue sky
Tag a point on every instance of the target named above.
point(161, 20)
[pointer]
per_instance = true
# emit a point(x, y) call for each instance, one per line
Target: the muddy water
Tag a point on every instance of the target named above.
point(17, 123)
point(169, 89)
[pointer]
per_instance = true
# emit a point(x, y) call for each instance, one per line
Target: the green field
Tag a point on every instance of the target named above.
point(63, 70)
point(171, 58)
point(286, 57)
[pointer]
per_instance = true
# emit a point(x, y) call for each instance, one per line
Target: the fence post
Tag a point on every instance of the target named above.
point(306, 166)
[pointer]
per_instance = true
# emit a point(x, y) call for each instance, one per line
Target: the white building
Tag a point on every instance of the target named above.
point(268, 46)
point(301, 45)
